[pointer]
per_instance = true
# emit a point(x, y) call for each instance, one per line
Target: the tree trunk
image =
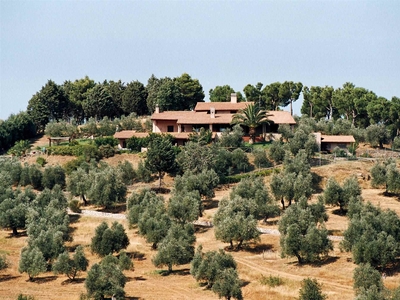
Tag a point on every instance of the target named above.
point(291, 107)
point(299, 259)
point(15, 231)
point(159, 180)
point(283, 204)
point(169, 268)
point(239, 244)
point(154, 246)
point(231, 244)
point(84, 199)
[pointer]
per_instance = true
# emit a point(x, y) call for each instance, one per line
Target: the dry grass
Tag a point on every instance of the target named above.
point(145, 282)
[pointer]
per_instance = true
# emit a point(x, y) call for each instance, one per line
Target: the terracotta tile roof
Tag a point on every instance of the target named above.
point(204, 118)
point(126, 134)
point(337, 139)
point(205, 106)
point(281, 117)
point(171, 115)
point(192, 117)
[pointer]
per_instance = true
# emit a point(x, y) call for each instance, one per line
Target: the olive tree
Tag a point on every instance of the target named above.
point(71, 266)
point(227, 285)
point(32, 262)
point(300, 236)
point(177, 248)
point(373, 236)
point(337, 195)
point(106, 279)
point(206, 267)
point(235, 222)
point(109, 240)
point(254, 188)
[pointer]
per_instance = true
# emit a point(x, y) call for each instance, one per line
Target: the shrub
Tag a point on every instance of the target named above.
point(73, 165)
point(339, 152)
point(311, 290)
point(25, 297)
point(260, 159)
point(108, 140)
point(4, 263)
point(136, 144)
point(106, 151)
point(143, 174)
point(271, 281)
point(75, 206)
point(19, 148)
point(41, 161)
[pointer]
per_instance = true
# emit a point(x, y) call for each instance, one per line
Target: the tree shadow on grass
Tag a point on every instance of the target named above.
point(45, 279)
point(73, 218)
point(393, 269)
point(244, 283)
point(7, 277)
point(181, 272)
point(117, 208)
point(19, 235)
point(75, 281)
point(201, 229)
point(325, 261)
point(136, 255)
point(131, 298)
point(257, 248)
point(338, 212)
point(210, 204)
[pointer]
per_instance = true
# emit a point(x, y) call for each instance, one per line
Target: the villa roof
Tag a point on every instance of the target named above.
point(127, 134)
point(206, 106)
point(337, 139)
point(281, 117)
point(172, 115)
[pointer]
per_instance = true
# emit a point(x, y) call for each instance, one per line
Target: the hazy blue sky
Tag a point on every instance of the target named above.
point(217, 42)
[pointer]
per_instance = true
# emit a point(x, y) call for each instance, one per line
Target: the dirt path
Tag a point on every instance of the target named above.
point(98, 214)
point(266, 270)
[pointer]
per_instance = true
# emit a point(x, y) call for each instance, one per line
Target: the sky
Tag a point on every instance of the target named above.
point(217, 42)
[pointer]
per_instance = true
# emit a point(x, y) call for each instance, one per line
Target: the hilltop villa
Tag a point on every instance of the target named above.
point(215, 116)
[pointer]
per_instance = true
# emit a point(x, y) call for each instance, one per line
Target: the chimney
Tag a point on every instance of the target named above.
point(233, 98)
point(157, 109)
point(212, 112)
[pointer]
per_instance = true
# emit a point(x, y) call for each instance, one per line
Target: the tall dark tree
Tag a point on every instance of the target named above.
point(290, 92)
point(152, 87)
point(351, 102)
point(378, 110)
point(191, 90)
point(254, 94)
point(50, 103)
point(169, 96)
point(134, 99)
point(116, 89)
point(394, 115)
point(318, 102)
point(272, 96)
point(99, 103)
point(223, 94)
point(160, 156)
point(77, 92)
